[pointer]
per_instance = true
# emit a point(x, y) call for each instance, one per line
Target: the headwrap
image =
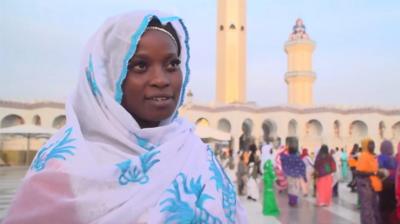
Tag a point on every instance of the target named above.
point(103, 168)
point(367, 162)
point(324, 164)
point(387, 148)
point(267, 154)
point(364, 144)
point(304, 153)
point(386, 159)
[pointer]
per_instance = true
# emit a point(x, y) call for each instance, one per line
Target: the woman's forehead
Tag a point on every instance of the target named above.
point(153, 40)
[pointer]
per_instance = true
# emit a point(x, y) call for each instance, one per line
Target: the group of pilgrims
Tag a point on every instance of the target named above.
point(270, 169)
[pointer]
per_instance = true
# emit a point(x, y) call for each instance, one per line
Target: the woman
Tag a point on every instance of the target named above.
point(397, 182)
point(242, 175)
point(229, 166)
point(124, 155)
point(387, 163)
point(270, 206)
point(294, 169)
point(254, 172)
point(324, 168)
point(307, 185)
point(336, 175)
point(281, 180)
point(352, 164)
point(368, 183)
point(343, 159)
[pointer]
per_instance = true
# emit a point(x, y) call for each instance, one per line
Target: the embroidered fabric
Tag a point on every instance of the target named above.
point(103, 168)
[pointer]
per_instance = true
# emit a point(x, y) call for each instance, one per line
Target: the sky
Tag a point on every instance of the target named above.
point(356, 60)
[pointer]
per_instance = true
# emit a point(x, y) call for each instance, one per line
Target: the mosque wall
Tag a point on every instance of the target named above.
point(13, 148)
point(313, 126)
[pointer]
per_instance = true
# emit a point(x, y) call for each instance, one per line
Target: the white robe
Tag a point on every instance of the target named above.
point(103, 168)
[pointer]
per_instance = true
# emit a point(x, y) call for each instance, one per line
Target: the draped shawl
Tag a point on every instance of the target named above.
point(101, 167)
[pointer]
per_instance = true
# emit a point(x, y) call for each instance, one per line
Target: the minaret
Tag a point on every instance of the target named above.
point(300, 76)
point(231, 51)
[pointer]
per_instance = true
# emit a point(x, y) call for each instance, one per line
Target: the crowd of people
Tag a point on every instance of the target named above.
point(267, 170)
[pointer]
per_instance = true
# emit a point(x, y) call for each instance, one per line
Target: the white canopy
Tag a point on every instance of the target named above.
point(211, 133)
point(27, 129)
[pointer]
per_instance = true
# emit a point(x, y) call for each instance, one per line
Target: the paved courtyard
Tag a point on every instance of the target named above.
point(343, 211)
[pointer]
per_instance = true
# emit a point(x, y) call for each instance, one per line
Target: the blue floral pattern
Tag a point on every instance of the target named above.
point(137, 174)
point(180, 211)
point(56, 150)
point(144, 143)
point(223, 183)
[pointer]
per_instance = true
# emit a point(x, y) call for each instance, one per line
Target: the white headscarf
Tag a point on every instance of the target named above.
point(103, 168)
point(267, 153)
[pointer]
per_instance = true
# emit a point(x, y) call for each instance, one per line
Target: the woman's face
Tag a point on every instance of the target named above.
point(153, 83)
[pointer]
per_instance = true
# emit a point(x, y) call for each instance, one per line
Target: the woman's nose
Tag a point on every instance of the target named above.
point(160, 78)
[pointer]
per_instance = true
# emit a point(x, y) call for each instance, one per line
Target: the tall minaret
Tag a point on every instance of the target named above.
point(300, 76)
point(231, 51)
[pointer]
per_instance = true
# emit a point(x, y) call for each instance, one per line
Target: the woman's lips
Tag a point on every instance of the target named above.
point(160, 101)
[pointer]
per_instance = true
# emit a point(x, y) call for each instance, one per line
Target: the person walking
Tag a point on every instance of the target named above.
point(324, 169)
point(270, 206)
point(294, 169)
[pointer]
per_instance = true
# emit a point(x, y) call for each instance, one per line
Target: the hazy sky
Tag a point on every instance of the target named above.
point(357, 58)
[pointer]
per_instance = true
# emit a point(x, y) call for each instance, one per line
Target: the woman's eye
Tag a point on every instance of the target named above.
point(173, 65)
point(137, 66)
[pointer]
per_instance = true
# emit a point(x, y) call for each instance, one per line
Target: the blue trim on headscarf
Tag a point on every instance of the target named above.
point(131, 51)
point(90, 78)
point(168, 19)
point(187, 75)
point(187, 69)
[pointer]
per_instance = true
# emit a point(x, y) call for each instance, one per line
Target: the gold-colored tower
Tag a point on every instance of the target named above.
point(300, 76)
point(231, 51)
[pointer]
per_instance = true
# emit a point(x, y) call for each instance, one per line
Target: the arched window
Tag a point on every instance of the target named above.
point(247, 126)
point(246, 139)
point(292, 127)
point(396, 131)
point(36, 120)
point(314, 128)
point(232, 26)
point(202, 122)
point(382, 128)
point(224, 125)
point(59, 121)
point(269, 130)
point(12, 120)
point(336, 128)
point(358, 129)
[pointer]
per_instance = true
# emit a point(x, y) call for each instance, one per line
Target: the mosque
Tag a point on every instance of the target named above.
point(313, 125)
point(245, 122)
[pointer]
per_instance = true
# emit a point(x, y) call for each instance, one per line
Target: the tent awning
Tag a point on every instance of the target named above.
point(210, 133)
point(27, 129)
